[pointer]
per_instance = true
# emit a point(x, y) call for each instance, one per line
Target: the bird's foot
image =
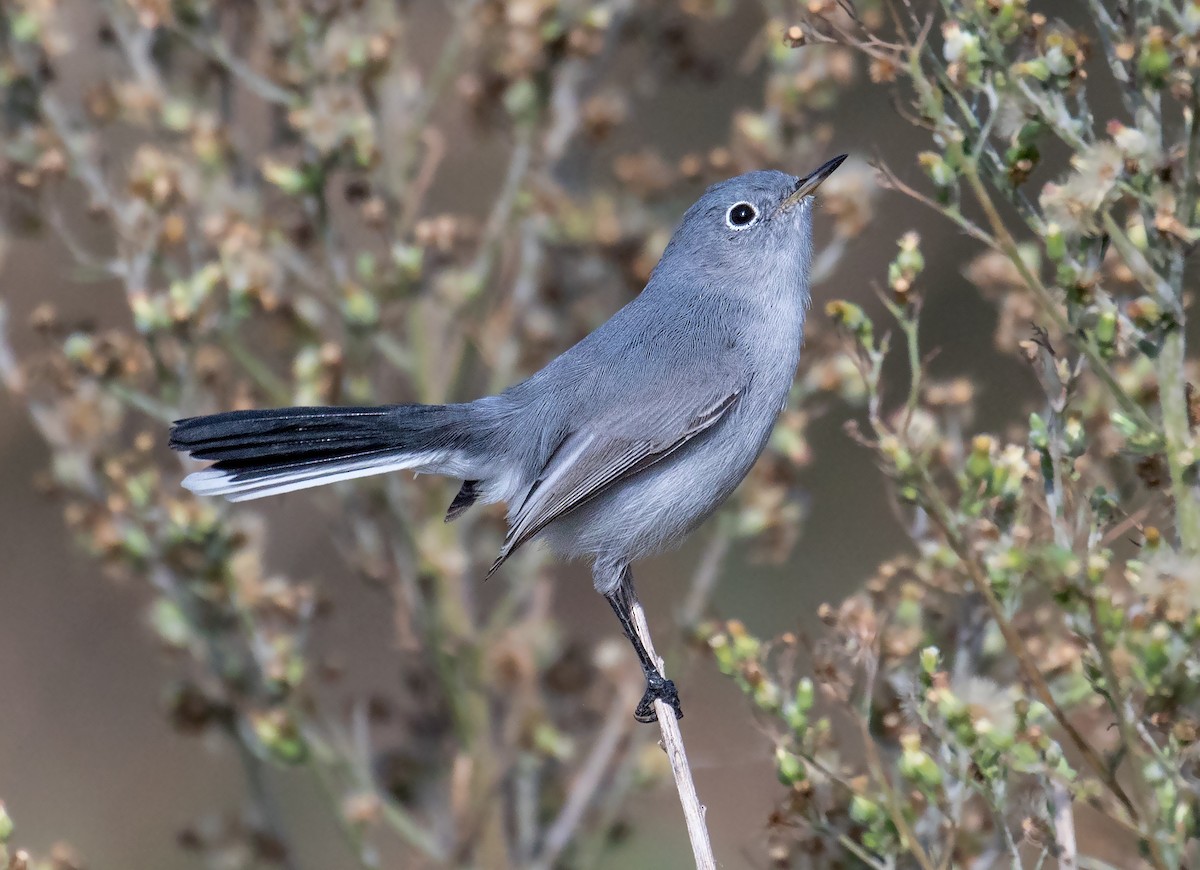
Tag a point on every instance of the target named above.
point(658, 688)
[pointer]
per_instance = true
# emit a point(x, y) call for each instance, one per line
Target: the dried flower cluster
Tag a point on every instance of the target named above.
point(1021, 686)
point(257, 181)
point(1018, 686)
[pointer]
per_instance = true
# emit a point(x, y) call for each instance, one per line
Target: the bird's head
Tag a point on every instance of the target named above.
point(749, 228)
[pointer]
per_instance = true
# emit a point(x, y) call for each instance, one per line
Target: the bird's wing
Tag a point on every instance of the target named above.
point(590, 461)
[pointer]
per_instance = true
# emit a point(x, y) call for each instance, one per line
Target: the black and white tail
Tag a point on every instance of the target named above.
point(261, 453)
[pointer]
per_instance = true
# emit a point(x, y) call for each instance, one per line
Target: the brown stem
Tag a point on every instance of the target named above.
point(1049, 306)
point(1012, 639)
point(895, 809)
point(1120, 707)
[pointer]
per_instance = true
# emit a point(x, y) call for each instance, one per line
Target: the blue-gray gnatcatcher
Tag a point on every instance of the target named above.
point(617, 448)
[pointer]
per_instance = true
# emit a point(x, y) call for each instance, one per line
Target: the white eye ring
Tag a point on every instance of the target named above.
point(741, 222)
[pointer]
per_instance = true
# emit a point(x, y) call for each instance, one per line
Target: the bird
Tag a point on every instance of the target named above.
point(619, 447)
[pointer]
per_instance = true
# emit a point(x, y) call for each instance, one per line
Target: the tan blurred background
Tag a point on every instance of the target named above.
point(86, 754)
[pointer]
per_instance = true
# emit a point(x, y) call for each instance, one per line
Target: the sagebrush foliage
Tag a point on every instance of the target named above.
point(1024, 681)
point(1019, 686)
point(253, 182)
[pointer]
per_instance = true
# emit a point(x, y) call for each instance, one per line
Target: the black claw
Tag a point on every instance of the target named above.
point(658, 688)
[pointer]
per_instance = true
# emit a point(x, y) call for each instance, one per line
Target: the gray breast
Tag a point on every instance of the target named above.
point(653, 510)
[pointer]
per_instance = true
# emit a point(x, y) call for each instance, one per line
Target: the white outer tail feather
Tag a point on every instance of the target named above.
point(211, 481)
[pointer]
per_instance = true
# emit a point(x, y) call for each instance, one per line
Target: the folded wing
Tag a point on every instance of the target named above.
point(588, 462)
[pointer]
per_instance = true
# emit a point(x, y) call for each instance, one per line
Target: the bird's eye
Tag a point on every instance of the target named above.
point(741, 216)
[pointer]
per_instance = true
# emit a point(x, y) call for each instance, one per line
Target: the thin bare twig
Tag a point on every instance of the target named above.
point(328, 752)
point(704, 580)
point(263, 802)
point(1049, 306)
point(672, 743)
point(215, 49)
point(1064, 828)
point(1144, 791)
point(1016, 645)
point(591, 776)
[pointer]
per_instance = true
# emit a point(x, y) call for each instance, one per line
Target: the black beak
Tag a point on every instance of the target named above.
point(809, 183)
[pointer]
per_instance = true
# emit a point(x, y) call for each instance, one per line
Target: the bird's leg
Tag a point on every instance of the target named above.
point(658, 687)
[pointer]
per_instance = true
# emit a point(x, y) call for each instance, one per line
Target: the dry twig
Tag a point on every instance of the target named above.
point(672, 743)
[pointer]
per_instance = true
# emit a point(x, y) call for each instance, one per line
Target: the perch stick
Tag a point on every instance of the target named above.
point(672, 742)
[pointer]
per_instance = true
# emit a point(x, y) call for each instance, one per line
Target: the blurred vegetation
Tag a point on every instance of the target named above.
point(256, 178)
point(1028, 671)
